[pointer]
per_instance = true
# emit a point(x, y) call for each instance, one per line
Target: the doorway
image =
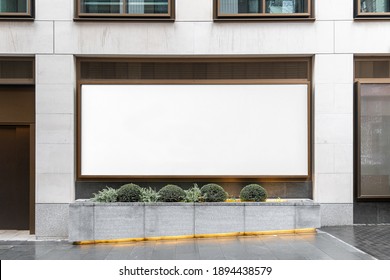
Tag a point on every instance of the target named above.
point(14, 177)
point(17, 158)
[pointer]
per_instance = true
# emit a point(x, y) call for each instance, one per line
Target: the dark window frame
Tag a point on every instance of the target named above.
point(123, 178)
point(18, 80)
point(170, 16)
point(29, 15)
point(357, 141)
point(361, 15)
point(363, 77)
point(265, 16)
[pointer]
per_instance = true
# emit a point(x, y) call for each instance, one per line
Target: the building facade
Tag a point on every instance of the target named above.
point(51, 50)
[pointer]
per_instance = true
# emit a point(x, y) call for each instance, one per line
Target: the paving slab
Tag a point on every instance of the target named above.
point(314, 246)
point(372, 239)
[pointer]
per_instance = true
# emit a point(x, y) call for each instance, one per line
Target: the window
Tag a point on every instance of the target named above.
point(17, 70)
point(263, 8)
point(372, 8)
point(16, 8)
point(372, 128)
point(374, 144)
point(190, 81)
point(125, 8)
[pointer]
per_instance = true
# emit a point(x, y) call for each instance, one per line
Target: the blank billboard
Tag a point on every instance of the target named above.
point(194, 130)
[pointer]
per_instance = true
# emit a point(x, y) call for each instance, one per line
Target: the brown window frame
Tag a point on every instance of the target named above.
point(215, 178)
point(25, 84)
point(359, 14)
point(26, 16)
point(265, 16)
point(357, 141)
point(374, 77)
point(170, 16)
point(19, 81)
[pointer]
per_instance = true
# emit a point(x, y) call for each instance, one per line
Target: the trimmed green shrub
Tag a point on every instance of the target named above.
point(129, 193)
point(105, 195)
point(171, 193)
point(253, 192)
point(149, 195)
point(194, 194)
point(213, 193)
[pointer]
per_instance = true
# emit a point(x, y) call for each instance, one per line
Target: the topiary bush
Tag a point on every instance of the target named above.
point(213, 193)
point(149, 195)
point(253, 192)
point(105, 195)
point(194, 194)
point(129, 193)
point(171, 193)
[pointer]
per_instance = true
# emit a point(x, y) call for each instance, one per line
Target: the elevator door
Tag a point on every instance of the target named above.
point(14, 177)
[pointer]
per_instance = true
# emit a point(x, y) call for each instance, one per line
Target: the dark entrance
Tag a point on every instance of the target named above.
point(372, 140)
point(17, 157)
point(14, 177)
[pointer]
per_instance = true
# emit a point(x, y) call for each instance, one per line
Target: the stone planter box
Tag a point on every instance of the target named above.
point(89, 221)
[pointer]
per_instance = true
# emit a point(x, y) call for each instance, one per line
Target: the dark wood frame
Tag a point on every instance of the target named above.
point(18, 82)
point(232, 178)
point(170, 16)
point(28, 15)
point(32, 170)
point(26, 81)
point(359, 14)
point(356, 126)
point(265, 16)
point(357, 141)
point(32, 167)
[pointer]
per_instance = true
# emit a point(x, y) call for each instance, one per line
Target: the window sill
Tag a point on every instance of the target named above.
point(16, 18)
point(266, 19)
point(365, 18)
point(119, 19)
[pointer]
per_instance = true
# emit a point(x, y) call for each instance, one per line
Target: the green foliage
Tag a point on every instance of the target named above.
point(253, 192)
point(194, 194)
point(213, 193)
point(105, 195)
point(129, 193)
point(171, 193)
point(149, 195)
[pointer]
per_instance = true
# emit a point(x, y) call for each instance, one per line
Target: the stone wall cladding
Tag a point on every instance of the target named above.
point(107, 221)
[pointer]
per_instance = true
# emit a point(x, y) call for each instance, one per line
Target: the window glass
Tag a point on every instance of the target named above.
point(13, 6)
point(375, 140)
point(374, 6)
point(285, 6)
point(131, 7)
point(147, 6)
point(262, 7)
point(240, 6)
point(102, 6)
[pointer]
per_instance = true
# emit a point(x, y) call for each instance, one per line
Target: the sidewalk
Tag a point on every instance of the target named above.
point(320, 246)
point(373, 239)
point(16, 235)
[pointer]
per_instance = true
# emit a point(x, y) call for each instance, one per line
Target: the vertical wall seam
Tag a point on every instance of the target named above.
point(245, 217)
point(144, 218)
point(295, 216)
point(334, 37)
point(194, 207)
point(54, 37)
point(94, 221)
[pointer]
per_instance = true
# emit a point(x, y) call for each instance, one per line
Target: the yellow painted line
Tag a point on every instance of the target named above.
point(168, 237)
point(276, 232)
point(212, 235)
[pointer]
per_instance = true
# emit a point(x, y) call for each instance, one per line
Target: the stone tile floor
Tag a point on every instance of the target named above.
point(373, 239)
point(320, 246)
point(16, 235)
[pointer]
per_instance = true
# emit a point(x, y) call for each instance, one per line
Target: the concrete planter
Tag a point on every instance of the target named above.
point(107, 221)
